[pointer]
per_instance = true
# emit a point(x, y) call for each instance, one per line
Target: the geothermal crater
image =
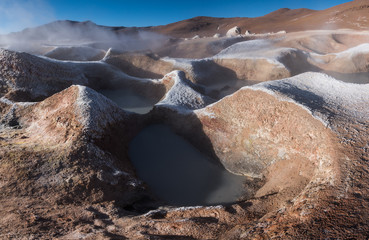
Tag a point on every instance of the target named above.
point(156, 133)
point(178, 173)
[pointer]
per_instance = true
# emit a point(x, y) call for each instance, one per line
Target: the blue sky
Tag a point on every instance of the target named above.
point(16, 15)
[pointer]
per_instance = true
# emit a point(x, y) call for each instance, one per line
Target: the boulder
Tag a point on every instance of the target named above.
point(234, 32)
point(217, 35)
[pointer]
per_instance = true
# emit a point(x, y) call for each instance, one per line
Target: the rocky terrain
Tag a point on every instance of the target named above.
point(286, 108)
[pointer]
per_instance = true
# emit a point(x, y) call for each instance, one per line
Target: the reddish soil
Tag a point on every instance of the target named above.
point(353, 15)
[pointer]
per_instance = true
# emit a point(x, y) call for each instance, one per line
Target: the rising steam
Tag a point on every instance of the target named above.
point(84, 34)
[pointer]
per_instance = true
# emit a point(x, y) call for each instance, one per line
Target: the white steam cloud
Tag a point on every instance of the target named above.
point(16, 15)
point(84, 35)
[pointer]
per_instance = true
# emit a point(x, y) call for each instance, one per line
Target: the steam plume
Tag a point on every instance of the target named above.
point(84, 34)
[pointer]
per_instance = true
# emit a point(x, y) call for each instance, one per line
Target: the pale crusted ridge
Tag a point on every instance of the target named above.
point(182, 96)
point(322, 95)
point(95, 111)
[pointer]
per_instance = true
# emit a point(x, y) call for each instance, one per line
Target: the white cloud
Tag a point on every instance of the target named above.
point(15, 15)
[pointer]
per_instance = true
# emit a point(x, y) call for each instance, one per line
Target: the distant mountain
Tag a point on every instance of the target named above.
point(353, 15)
point(64, 30)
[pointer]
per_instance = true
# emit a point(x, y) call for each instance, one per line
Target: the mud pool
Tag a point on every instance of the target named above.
point(129, 100)
point(180, 174)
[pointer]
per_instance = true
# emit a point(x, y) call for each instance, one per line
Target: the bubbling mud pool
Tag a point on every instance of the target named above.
point(180, 174)
point(129, 100)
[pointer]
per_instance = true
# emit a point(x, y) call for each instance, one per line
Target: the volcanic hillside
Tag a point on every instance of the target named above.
point(353, 15)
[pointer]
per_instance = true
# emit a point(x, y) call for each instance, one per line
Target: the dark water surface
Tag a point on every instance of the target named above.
point(180, 174)
point(129, 100)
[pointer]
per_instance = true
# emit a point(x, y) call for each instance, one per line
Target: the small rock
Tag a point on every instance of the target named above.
point(234, 32)
point(99, 223)
point(111, 228)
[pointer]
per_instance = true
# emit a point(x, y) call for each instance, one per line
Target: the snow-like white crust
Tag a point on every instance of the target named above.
point(182, 97)
point(42, 76)
point(317, 93)
point(95, 111)
point(77, 53)
point(351, 52)
point(322, 94)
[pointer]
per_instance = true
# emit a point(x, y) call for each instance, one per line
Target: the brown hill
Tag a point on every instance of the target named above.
point(353, 15)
